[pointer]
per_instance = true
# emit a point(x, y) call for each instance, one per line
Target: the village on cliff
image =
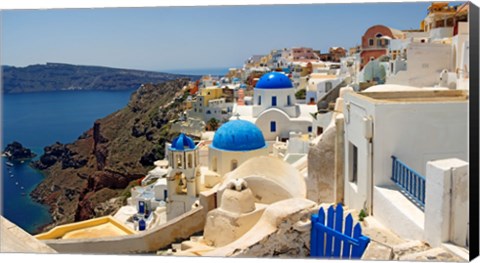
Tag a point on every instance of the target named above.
point(273, 157)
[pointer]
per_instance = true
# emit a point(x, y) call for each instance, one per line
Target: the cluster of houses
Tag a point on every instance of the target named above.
point(381, 129)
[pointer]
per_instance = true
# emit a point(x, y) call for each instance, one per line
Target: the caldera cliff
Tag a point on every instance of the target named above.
point(91, 177)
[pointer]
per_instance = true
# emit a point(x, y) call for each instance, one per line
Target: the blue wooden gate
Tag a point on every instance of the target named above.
point(331, 239)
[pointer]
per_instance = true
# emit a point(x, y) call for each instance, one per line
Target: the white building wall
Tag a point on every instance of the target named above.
point(325, 86)
point(322, 121)
point(283, 124)
point(224, 158)
point(265, 96)
point(356, 114)
point(460, 52)
point(311, 96)
point(296, 144)
point(446, 202)
point(417, 133)
point(398, 213)
point(441, 32)
point(414, 132)
point(425, 62)
point(399, 44)
point(159, 189)
point(396, 66)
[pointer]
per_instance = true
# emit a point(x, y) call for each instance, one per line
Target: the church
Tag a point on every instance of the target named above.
point(275, 110)
point(234, 143)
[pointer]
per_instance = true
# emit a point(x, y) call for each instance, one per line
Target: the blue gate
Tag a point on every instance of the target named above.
point(331, 239)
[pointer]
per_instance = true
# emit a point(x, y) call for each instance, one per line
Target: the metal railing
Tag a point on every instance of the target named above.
point(411, 182)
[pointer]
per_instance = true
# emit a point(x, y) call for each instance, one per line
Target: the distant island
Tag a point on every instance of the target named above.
point(16, 152)
point(59, 76)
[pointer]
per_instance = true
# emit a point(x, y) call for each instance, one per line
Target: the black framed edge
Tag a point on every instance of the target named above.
point(474, 132)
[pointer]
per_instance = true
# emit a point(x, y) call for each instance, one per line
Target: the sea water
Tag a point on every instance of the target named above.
point(37, 120)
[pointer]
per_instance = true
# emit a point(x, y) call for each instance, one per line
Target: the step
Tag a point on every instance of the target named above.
point(409, 248)
point(377, 251)
point(434, 254)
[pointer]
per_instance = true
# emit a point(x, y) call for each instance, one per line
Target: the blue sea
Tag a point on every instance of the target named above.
point(37, 120)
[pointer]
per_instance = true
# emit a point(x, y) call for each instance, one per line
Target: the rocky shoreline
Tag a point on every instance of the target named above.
point(15, 152)
point(91, 176)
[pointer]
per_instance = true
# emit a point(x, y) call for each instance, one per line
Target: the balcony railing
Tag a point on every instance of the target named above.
point(411, 182)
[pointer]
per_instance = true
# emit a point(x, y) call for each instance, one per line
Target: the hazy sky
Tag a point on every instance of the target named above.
point(189, 37)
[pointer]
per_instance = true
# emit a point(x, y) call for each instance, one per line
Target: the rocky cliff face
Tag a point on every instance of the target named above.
point(90, 177)
point(16, 152)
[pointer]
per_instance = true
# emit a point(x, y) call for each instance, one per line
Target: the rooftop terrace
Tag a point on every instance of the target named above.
point(416, 96)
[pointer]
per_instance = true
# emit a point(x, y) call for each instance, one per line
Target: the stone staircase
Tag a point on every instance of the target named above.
point(386, 245)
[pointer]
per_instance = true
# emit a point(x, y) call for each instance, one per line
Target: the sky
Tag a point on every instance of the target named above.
point(162, 38)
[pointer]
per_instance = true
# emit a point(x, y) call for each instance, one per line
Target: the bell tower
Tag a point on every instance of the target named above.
point(183, 179)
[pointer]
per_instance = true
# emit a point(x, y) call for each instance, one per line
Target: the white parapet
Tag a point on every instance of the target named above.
point(446, 202)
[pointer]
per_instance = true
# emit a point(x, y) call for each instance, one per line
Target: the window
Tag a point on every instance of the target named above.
point(440, 23)
point(319, 130)
point(288, 100)
point(259, 100)
point(370, 41)
point(450, 22)
point(273, 126)
point(309, 128)
point(234, 164)
point(353, 171)
point(274, 100)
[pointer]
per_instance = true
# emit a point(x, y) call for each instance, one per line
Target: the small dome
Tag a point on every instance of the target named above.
point(238, 135)
point(274, 80)
point(182, 143)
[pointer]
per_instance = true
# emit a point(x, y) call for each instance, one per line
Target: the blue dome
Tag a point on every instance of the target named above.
point(182, 143)
point(238, 135)
point(274, 80)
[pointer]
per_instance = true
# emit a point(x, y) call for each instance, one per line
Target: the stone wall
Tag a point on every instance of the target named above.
point(321, 168)
point(13, 239)
point(292, 239)
point(151, 240)
point(283, 230)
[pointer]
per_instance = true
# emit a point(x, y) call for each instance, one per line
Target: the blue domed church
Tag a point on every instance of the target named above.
point(274, 108)
point(233, 143)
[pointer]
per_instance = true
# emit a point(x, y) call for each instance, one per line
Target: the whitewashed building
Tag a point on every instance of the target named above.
point(319, 85)
point(392, 135)
point(274, 108)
